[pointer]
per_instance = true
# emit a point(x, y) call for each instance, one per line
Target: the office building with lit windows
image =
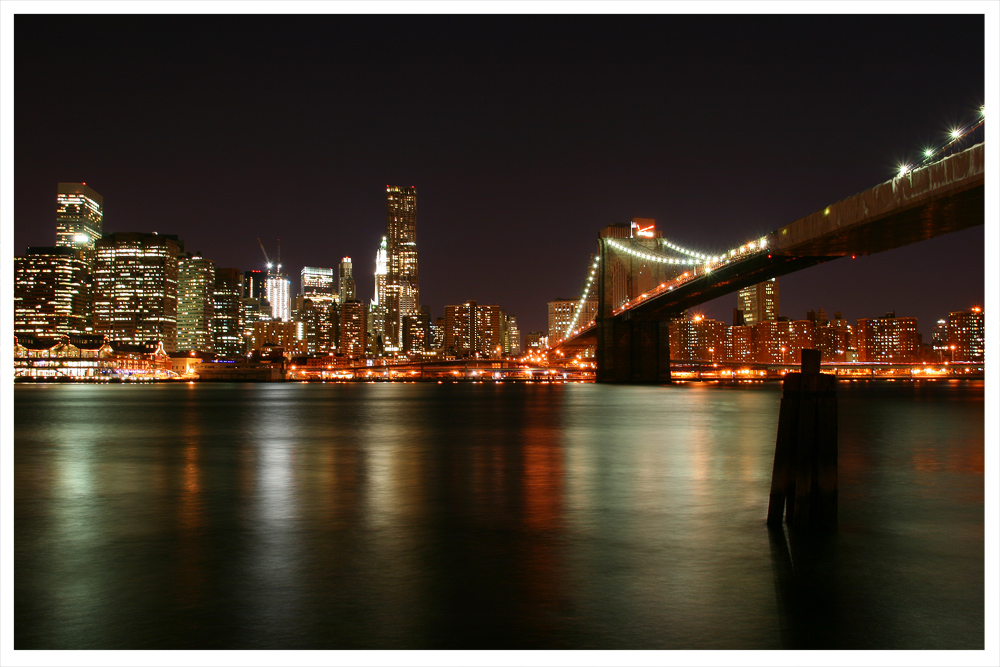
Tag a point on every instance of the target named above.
point(255, 284)
point(227, 317)
point(318, 307)
point(317, 281)
point(135, 288)
point(402, 278)
point(346, 286)
point(472, 330)
point(563, 312)
point(353, 329)
point(888, 339)
point(698, 339)
point(50, 292)
point(195, 303)
point(759, 302)
point(79, 217)
point(967, 333)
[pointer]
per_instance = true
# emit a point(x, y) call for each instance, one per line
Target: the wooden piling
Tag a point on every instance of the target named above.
point(804, 477)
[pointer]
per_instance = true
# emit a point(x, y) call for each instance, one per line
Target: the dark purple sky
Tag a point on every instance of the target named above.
point(523, 135)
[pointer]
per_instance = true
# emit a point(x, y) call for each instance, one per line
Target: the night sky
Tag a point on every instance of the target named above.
point(525, 135)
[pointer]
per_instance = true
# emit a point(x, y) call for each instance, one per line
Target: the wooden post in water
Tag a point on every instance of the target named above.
point(804, 478)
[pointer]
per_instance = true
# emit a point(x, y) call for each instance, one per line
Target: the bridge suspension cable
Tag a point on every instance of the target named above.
point(583, 299)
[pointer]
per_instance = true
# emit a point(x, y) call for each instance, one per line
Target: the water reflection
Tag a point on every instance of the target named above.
point(484, 516)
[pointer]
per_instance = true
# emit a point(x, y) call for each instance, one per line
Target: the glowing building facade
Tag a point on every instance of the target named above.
point(318, 306)
point(967, 333)
point(50, 292)
point(195, 303)
point(346, 286)
point(227, 318)
point(135, 288)
point(353, 329)
point(377, 308)
point(279, 294)
point(888, 339)
point(402, 278)
point(759, 303)
point(79, 217)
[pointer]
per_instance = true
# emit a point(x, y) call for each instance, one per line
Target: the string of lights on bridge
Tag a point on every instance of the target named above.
point(699, 259)
point(696, 259)
point(955, 135)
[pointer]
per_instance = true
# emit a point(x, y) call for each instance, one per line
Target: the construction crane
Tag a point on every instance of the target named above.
point(268, 259)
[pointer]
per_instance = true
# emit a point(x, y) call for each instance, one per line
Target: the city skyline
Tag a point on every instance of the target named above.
point(518, 162)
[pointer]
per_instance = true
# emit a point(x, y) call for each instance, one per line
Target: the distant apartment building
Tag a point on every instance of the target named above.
point(699, 339)
point(888, 339)
point(563, 313)
point(967, 333)
point(473, 330)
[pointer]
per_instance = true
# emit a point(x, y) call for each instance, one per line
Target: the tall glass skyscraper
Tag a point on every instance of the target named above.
point(402, 281)
point(79, 216)
point(228, 318)
point(348, 288)
point(195, 303)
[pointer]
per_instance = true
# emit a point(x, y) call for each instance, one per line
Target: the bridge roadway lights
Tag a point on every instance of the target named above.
point(631, 351)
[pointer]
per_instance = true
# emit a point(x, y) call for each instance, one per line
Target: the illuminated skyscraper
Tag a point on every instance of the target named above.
point(135, 288)
point(381, 271)
point(227, 318)
point(79, 217)
point(317, 281)
point(353, 329)
point(377, 308)
point(759, 303)
point(50, 292)
point(322, 312)
point(346, 287)
point(402, 281)
point(279, 295)
point(195, 303)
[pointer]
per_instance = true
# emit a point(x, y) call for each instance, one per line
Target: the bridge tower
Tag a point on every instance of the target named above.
point(631, 349)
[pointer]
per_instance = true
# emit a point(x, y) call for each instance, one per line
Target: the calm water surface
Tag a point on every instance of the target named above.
point(412, 516)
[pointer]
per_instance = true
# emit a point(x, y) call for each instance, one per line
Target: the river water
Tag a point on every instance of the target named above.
point(487, 516)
